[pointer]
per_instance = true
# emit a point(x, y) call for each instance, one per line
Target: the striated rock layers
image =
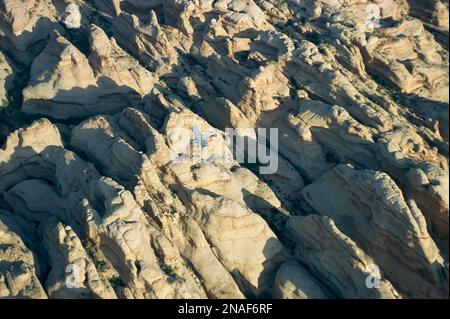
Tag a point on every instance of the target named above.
point(116, 175)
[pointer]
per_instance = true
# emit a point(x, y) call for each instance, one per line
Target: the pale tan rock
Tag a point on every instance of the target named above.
point(18, 277)
point(212, 167)
point(115, 223)
point(73, 275)
point(188, 177)
point(244, 243)
point(294, 282)
point(369, 207)
point(112, 64)
point(23, 144)
point(19, 13)
point(72, 19)
point(408, 57)
point(6, 78)
point(141, 84)
point(69, 76)
point(423, 174)
point(24, 24)
point(77, 86)
point(332, 256)
point(336, 131)
point(125, 237)
point(186, 234)
point(432, 11)
point(311, 70)
point(148, 40)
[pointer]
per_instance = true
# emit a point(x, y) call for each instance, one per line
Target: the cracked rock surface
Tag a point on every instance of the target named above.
point(103, 102)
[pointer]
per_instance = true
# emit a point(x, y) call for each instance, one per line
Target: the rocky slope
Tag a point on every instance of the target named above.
point(100, 99)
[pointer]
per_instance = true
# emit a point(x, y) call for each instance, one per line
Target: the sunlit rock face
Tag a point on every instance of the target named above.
point(117, 179)
point(72, 20)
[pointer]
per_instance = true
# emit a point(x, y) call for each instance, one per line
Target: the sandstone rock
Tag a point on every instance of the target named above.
point(24, 25)
point(113, 81)
point(132, 178)
point(35, 200)
point(73, 274)
point(424, 175)
point(188, 177)
point(294, 282)
point(369, 208)
point(72, 20)
point(408, 57)
point(332, 256)
point(146, 39)
point(117, 225)
point(6, 78)
point(18, 278)
point(431, 11)
point(244, 243)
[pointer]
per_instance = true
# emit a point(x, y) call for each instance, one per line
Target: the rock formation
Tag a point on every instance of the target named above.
point(117, 179)
point(18, 276)
point(6, 74)
point(334, 251)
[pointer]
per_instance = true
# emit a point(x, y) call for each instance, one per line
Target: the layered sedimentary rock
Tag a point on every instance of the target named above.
point(25, 25)
point(294, 282)
point(323, 248)
point(208, 200)
point(128, 186)
point(424, 175)
point(146, 38)
point(117, 226)
point(18, 278)
point(76, 85)
point(408, 57)
point(369, 208)
point(434, 12)
point(67, 256)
